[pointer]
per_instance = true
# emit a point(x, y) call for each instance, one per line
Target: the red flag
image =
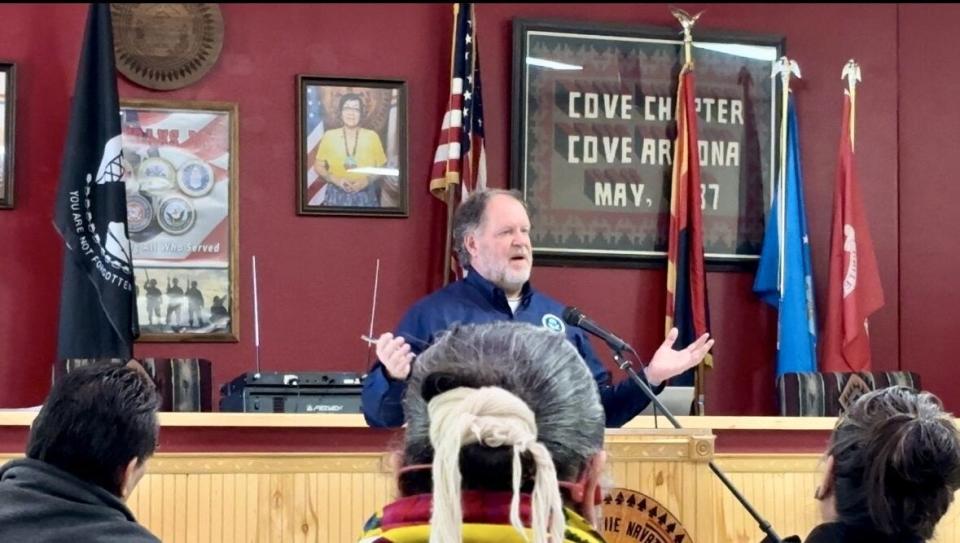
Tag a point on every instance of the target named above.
point(460, 159)
point(686, 276)
point(854, 290)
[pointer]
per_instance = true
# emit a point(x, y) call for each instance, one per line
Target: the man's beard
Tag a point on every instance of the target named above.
point(513, 279)
point(502, 274)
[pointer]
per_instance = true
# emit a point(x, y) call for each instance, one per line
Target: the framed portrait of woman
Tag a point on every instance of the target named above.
point(352, 147)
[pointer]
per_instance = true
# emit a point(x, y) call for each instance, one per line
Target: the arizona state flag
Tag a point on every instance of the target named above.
point(854, 291)
point(686, 276)
point(98, 317)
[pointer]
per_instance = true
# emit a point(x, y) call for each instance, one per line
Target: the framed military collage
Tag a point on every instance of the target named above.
point(180, 164)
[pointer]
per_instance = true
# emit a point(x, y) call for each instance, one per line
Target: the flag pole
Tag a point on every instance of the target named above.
point(851, 72)
point(449, 192)
point(784, 70)
point(784, 67)
point(448, 241)
point(686, 22)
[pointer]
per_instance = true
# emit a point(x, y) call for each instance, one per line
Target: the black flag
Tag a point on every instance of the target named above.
point(98, 317)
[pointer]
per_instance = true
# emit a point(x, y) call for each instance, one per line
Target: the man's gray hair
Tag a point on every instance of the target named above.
point(537, 365)
point(469, 217)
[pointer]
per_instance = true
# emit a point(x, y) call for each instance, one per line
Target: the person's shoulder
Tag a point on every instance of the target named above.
point(827, 532)
point(449, 294)
point(545, 301)
point(126, 531)
point(437, 310)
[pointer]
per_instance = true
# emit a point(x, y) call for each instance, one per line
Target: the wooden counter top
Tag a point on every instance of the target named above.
point(305, 420)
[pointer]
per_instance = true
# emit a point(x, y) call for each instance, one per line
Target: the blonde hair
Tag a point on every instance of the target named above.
point(492, 417)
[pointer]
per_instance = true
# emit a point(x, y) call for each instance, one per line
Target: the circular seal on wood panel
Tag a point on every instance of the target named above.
point(166, 46)
point(630, 516)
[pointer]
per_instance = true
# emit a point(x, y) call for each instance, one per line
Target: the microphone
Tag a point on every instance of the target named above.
point(575, 317)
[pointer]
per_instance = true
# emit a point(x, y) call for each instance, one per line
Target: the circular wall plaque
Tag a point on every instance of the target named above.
point(176, 214)
point(139, 212)
point(166, 46)
point(195, 178)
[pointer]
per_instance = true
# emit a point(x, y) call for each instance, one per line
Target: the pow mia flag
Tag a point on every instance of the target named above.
point(98, 317)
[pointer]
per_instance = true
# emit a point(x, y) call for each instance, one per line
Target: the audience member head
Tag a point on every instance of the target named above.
point(893, 464)
point(99, 424)
point(509, 407)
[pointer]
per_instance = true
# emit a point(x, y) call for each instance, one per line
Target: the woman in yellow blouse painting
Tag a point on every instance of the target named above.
point(347, 148)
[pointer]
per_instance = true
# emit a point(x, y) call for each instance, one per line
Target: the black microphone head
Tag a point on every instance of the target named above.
point(572, 315)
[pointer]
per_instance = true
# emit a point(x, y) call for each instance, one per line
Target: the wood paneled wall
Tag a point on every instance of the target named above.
point(253, 498)
point(281, 498)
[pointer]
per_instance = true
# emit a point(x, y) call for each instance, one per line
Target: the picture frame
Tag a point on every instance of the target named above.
point(593, 131)
point(8, 103)
point(181, 169)
point(352, 147)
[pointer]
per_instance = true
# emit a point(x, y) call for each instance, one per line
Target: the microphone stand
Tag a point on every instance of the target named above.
point(627, 366)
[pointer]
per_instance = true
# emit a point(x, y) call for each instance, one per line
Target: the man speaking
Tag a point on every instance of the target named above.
point(491, 233)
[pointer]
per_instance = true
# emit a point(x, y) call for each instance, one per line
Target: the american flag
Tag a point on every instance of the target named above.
point(314, 132)
point(460, 158)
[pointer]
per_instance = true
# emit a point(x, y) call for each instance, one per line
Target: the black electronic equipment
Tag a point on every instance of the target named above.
point(293, 392)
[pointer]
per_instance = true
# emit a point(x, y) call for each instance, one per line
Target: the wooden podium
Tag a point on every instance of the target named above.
point(325, 497)
point(669, 466)
point(317, 478)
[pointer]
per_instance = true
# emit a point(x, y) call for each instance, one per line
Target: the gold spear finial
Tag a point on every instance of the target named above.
point(851, 72)
point(784, 67)
point(686, 21)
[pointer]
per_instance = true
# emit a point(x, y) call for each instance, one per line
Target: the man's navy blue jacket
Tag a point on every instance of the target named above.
point(474, 300)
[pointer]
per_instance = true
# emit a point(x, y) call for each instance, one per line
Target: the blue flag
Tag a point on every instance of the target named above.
point(98, 317)
point(785, 275)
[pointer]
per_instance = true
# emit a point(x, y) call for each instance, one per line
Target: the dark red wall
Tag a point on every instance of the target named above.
point(316, 273)
point(929, 192)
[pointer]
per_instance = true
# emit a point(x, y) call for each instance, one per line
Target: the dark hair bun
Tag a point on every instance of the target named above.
point(438, 383)
point(897, 462)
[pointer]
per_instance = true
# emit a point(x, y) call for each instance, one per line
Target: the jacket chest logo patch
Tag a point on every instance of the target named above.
point(553, 322)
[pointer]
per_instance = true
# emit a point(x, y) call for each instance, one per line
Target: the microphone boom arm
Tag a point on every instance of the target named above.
point(625, 365)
